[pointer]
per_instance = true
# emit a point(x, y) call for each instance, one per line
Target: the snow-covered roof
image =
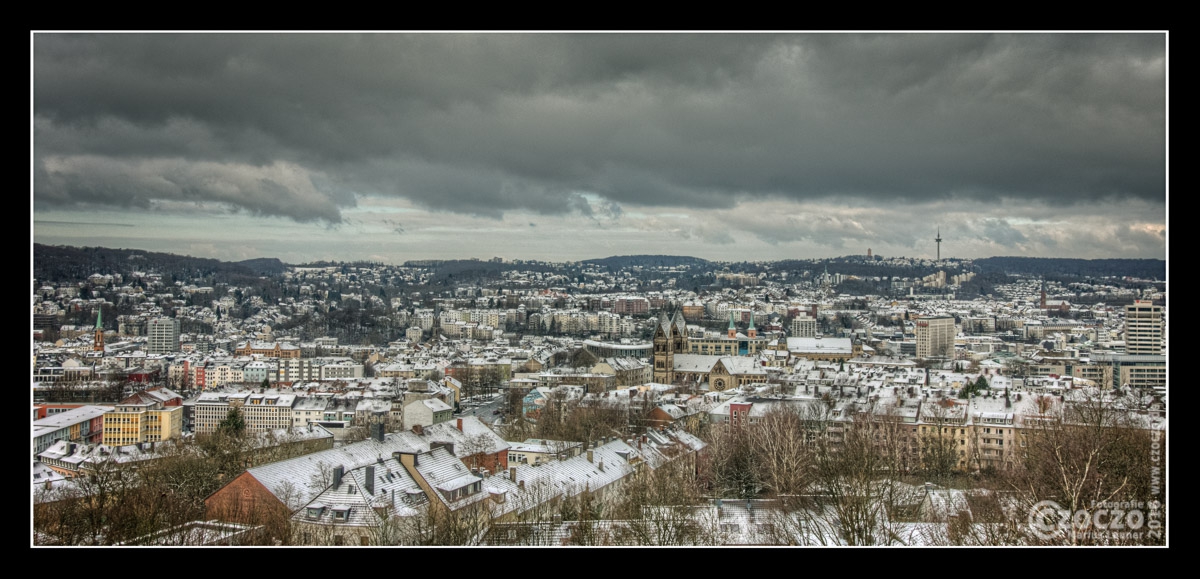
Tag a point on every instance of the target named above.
point(820, 345)
point(694, 362)
point(298, 473)
point(475, 436)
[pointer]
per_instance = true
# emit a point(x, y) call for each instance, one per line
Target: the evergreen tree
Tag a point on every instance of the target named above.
point(233, 424)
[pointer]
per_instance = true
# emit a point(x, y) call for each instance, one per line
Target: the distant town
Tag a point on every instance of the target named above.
point(635, 400)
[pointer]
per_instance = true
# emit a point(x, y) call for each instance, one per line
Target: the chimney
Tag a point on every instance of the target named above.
point(460, 424)
point(589, 455)
point(370, 486)
point(928, 487)
point(338, 472)
point(521, 484)
point(418, 430)
point(600, 465)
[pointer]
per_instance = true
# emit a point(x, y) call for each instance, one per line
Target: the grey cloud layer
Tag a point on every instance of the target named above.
point(298, 125)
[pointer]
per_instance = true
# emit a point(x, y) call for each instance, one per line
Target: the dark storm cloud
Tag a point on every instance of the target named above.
point(297, 125)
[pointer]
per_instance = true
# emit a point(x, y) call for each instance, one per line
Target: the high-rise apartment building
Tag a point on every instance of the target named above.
point(935, 336)
point(162, 336)
point(1143, 328)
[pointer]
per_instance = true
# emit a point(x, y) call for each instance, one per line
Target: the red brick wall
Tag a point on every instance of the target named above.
point(495, 462)
point(246, 500)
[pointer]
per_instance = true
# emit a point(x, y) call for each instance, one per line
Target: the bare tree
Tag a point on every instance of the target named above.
point(1089, 451)
point(942, 440)
point(853, 486)
point(781, 450)
point(730, 468)
point(658, 507)
point(114, 501)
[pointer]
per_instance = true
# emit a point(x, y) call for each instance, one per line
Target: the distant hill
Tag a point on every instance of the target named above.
point(60, 263)
point(620, 261)
point(264, 265)
point(468, 271)
point(1057, 266)
point(65, 263)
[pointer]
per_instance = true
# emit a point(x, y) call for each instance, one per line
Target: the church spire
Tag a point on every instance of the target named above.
point(732, 327)
point(98, 337)
point(751, 332)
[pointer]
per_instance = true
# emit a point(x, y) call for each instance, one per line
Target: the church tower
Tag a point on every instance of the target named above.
point(664, 359)
point(679, 341)
point(670, 338)
point(751, 332)
point(732, 328)
point(98, 337)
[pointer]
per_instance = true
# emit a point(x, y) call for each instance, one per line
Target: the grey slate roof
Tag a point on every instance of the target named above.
point(299, 474)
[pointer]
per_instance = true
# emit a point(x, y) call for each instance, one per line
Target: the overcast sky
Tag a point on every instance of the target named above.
point(571, 146)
